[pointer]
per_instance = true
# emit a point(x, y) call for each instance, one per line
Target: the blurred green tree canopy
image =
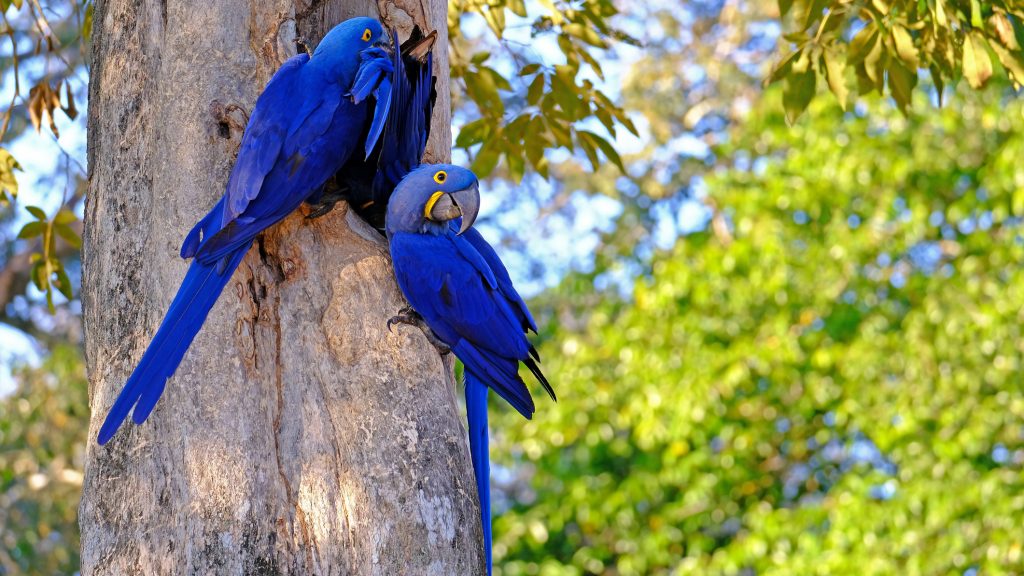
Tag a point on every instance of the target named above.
point(829, 385)
point(42, 452)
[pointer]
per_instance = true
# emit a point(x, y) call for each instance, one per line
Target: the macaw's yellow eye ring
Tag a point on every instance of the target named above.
point(367, 35)
point(440, 176)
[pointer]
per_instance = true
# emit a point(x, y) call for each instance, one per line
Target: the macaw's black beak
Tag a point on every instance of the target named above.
point(464, 203)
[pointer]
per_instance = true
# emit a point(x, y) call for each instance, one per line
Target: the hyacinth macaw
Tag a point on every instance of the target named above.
point(457, 284)
point(313, 115)
point(366, 184)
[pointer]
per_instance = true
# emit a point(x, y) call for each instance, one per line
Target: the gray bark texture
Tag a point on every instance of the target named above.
point(298, 436)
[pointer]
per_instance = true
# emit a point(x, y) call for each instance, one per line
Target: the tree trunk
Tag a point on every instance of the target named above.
point(298, 436)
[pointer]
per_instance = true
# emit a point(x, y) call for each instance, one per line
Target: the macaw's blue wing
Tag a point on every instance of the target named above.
point(476, 414)
point(307, 158)
point(500, 274)
point(264, 137)
point(450, 285)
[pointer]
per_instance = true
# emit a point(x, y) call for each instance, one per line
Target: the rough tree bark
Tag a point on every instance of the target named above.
point(298, 436)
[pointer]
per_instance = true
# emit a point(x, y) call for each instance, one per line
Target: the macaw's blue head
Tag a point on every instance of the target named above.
point(431, 196)
point(339, 51)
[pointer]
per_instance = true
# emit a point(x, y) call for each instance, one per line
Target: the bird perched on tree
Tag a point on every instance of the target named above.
point(311, 118)
point(460, 290)
point(367, 183)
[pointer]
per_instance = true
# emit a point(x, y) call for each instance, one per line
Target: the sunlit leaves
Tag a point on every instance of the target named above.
point(48, 273)
point(8, 183)
point(976, 62)
point(558, 100)
point(886, 43)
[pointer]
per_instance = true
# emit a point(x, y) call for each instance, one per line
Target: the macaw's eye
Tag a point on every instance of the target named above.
point(367, 35)
point(440, 176)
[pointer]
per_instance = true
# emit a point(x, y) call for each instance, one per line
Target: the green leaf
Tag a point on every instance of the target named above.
point(495, 18)
point(939, 84)
point(797, 94)
point(500, 81)
point(940, 14)
point(7, 167)
point(563, 137)
point(64, 216)
point(516, 166)
point(901, 85)
point(486, 159)
point(63, 283)
point(862, 44)
point(1012, 61)
point(591, 151)
point(529, 69)
point(69, 236)
point(782, 68)
point(518, 7)
point(905, 48)
point(480, 57)
point(473, 133)
point(37, 212)
point(564, 90)
point(605, 147)
point(482, 90)
point(585, 34)
point(977, 66)
point(836, 77)
point(536, 90)
point(31, 230)
point(976, 14)
point(39, 275)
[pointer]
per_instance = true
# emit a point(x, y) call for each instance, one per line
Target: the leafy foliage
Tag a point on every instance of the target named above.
point(42, 453)
point(552, 103)
point(886, 42)
point(46, 49)
point(832, 390)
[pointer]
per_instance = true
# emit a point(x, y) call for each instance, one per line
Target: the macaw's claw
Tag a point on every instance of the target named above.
point(320, 210)
point(409, 316)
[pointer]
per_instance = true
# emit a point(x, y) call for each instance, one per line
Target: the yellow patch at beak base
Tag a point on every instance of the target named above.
point(430, 203)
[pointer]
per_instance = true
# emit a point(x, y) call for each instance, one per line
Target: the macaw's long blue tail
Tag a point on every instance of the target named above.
point(196, 296)
point(476, 412)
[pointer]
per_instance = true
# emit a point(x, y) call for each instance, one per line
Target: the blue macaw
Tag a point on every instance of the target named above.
point(457, 284)
point(314, 115)
point(366, 184)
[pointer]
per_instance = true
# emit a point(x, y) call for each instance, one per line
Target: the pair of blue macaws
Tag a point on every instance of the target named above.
point(315, 136)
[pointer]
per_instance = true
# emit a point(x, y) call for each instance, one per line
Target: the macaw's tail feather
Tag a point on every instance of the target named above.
point(476, 411)
point(199, 290)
